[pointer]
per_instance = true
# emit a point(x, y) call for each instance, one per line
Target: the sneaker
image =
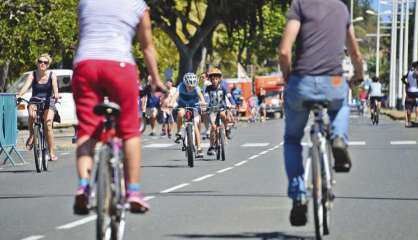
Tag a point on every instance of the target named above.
point(199, 153)
point(81, 201)
point(162, 134)
point(341, 156)
point(169, 136)
point(152, 134)
point(298, 214)
point(136, 202)
point(211, 151)
point(179, 137)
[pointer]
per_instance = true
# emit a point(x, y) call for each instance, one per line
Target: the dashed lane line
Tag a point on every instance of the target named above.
point(240, 163)
point(356, 143)
point(78, 222)
point(34, 237)
point(255, 144)
point(225, 169)
point(403, 142)
point(203, 178)
point(263, 152)
point(253, 157)
point(159, 145)
point(147, 198)
point(175, 188)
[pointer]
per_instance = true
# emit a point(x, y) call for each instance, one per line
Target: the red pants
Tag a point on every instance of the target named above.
point(95, 79)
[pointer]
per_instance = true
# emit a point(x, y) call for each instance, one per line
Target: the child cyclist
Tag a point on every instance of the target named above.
point(217, 97)
point(189, 95)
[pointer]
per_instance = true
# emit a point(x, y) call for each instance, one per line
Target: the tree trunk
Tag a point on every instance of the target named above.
point(185, 64)
point(4, 71)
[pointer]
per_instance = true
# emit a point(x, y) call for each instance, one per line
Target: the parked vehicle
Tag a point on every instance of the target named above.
point(66, 107)
point(274, 86)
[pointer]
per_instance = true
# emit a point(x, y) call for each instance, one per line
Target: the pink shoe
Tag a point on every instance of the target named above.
point(137, 202)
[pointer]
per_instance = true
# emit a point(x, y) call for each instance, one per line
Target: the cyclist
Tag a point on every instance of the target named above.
point(104, 66)
point(375, 95)
point(189, 95)
point(216, 96)
point(315, 75)
point(44, 85)
point(152, 99)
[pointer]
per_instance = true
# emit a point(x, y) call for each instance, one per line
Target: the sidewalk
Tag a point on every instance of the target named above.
point(394, 114)
point(63, 139)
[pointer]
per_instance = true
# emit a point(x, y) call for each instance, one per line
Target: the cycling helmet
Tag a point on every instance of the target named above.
point(190, 79)
point(214, 71)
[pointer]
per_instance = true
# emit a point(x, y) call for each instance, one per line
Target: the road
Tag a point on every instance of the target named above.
point(241, 198)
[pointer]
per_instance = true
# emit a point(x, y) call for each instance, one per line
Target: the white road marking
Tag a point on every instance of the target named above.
point(281, 143)
point(159, 145)
point(255, 144)
point(175, 188)
point(354, 116)
point(356, 143)
point(403, 142)
point(34, 237)
point(225, 169)
point(306, 144)
point(147, 198)
point(253, 156)
point(205, 145)
point(203, 178)
point(263, 152)
point(241, 163)
point(78, 222)
point(65, 153)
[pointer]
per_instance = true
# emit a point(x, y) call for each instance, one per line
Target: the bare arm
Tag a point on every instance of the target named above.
point(174, 99)
point(55, 86)
point(144, 34)
point(355, 55)
point(285, 51)
point(26, 86)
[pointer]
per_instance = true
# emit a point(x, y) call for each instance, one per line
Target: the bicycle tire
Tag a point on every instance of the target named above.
point(222, 143)
point(327, 199)
point(118, 221)
point(37, 151)
point(143, 124)
point(103, 196)
point(190, 146)
point(44, 151)
point(317, 190)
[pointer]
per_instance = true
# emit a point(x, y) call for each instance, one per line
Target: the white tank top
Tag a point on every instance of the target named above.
point(376, 89)
point(412, 82)
point(107, 28)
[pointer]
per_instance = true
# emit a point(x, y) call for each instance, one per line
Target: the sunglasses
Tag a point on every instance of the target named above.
point(44, 62)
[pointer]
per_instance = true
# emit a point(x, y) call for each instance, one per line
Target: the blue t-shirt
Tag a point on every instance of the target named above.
point(187, 98)
point(237, 94)
point(215, 96)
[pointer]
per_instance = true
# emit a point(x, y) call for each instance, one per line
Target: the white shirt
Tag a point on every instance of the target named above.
point(376, 89)
point(107, 28)
point(412, 82)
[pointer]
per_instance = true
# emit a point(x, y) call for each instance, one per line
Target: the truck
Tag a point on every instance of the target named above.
point(274, 87)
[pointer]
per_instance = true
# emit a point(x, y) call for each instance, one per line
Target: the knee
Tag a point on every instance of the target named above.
point(48, 124)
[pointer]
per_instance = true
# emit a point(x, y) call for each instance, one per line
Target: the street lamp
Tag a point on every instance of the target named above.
point(357, 19)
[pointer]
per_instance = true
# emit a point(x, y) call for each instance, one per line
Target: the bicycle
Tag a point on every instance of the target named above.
point(40, 149)
point(108, 188)
point(188, 136)
point(220, 134)
point(374, 113)
point(319, 162)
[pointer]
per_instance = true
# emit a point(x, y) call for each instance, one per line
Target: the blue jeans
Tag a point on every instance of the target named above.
point(298, 90)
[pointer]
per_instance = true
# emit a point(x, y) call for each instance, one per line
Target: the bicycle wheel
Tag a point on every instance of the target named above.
point(119, 200)
point(37, 148)
point(44, 151)
point(377, 117)
point(104, 196)
point(317, 190)
point(222, 143)
point(143, 124)
point(326, 193)
point(190, 146)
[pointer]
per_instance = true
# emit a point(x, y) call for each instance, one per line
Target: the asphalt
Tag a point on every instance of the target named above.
point(241, 198)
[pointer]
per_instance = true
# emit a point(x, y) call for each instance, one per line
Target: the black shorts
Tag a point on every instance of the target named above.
point(373, 100)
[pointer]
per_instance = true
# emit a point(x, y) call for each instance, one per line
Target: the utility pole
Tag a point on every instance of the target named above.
point(400, 59)
point(392, 81)
point(406, 42)
point(378, 40)
point(415, 42)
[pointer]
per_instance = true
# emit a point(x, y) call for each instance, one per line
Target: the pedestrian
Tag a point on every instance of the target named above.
point(320, 30)
point(262, 104)
point(410, 81)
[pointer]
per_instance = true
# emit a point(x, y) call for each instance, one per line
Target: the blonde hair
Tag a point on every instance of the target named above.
point(47, 56)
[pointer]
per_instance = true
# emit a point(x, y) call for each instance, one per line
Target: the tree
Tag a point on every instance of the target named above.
point(191, 23)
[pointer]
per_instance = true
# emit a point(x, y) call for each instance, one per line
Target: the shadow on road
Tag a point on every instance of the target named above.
point(17, 171)
point(28, 196)
point(378, 198)
point(260, 236)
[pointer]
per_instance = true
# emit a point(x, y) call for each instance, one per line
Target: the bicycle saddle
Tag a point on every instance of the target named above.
point(316, 104)
point(107, 109)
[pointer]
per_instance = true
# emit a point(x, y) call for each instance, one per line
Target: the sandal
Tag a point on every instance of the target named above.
point(53, 158)
point(29, 143)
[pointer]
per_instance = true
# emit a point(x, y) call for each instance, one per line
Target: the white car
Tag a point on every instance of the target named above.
point(66, 107)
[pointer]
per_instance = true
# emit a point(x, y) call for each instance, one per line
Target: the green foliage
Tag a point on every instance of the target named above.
point(29, 28)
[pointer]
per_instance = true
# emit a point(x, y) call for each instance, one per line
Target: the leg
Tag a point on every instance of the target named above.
point(48, 118)
point(295, 122)
point(180, 115)
point(31, 120)
point(340, 121)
